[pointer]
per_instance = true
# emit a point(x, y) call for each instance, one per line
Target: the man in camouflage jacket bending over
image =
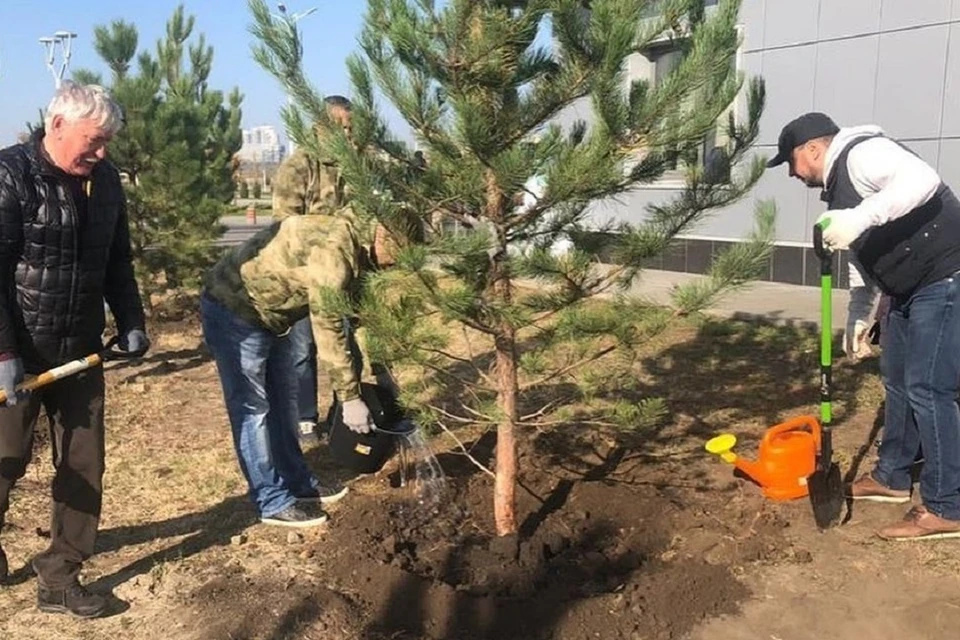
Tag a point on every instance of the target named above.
point(304, 186)
point(252, 297)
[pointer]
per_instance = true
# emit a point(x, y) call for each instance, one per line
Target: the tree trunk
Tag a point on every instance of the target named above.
point(505, 371)
point(504, 491)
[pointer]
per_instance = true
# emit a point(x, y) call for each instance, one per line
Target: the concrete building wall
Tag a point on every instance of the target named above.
point(894, 63)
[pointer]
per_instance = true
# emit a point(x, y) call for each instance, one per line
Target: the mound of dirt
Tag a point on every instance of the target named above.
point(604, 560)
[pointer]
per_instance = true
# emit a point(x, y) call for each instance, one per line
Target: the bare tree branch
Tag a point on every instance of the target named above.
point(468, 361)
point(452, 376)
point(464, 451)
point(457, 418)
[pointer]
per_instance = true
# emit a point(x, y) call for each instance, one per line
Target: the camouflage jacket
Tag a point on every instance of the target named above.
point(280, 275)
point(303, 186)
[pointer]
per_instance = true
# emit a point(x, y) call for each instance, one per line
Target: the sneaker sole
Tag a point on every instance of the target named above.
point(930, 536)
point(325, 500)
point(56, 608)
point(295, 524)
point(881, 499)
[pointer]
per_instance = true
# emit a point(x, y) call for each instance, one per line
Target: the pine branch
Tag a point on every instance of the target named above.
point(732, 269)
point(570, 367)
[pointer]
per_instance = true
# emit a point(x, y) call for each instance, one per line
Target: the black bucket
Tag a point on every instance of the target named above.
point(368, 452)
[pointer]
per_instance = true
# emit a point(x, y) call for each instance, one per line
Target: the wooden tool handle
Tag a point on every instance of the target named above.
point(52, 375)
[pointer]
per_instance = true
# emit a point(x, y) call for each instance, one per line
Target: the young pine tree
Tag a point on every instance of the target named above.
point(177, 147)
point(481, 94)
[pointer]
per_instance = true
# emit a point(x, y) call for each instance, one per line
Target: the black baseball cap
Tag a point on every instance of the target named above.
point(807, 127)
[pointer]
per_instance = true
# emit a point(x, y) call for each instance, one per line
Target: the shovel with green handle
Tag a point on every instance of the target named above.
point(825, 485)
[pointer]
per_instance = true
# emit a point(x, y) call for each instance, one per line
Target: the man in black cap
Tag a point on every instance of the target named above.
point(902, 226)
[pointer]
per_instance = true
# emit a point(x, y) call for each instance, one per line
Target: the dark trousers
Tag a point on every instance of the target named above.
point(74, 408)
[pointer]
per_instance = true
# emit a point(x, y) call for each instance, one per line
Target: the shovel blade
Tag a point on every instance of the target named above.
point(826, 495)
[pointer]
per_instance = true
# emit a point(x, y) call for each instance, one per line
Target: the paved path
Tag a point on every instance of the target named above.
point(238, 229)
point(772, 300)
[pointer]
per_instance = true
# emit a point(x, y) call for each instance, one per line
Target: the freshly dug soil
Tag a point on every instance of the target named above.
point(618, 556)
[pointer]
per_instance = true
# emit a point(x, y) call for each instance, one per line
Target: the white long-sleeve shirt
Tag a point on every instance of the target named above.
point(892, 182)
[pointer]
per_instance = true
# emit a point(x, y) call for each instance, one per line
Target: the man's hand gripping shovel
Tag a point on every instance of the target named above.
point(109, 352)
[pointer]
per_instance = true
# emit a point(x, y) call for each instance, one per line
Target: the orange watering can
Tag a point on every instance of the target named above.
point(788, 456)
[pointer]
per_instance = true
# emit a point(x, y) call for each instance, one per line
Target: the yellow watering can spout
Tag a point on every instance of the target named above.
point(721, 446)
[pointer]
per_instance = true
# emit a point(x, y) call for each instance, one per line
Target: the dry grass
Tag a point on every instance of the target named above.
point(169, 462)
point(174, 496)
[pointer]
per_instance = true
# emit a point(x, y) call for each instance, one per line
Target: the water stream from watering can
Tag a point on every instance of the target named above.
point(421, 473)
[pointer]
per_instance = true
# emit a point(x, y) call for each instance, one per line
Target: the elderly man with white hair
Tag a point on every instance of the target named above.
point(64, 249)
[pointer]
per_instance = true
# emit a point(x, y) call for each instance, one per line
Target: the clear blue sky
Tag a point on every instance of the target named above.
point(330, 35)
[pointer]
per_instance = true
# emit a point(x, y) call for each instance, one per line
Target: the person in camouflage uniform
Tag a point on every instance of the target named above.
point(252, 298)
point(303, 186)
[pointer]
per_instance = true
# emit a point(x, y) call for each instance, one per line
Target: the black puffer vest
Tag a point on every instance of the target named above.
point(60, 261)
point(906, 254)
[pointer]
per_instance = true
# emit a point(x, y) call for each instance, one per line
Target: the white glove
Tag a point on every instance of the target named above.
point(856, 341)
point(841, 227)
point(11, 374)
point(357, 417)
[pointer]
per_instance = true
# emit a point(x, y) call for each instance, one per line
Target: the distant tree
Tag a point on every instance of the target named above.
point(177, 147)
point(86, 76)
point(33, 127)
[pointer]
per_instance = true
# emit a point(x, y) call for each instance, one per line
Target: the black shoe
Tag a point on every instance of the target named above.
point(74, 599)
point(323, 494)
point(296, 517)
point(4, 569)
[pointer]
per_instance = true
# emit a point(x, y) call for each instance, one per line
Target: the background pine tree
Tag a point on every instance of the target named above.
point(482, 99)
point(176, 148)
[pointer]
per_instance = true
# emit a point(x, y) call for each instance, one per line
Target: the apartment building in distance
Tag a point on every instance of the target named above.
point(261, 145)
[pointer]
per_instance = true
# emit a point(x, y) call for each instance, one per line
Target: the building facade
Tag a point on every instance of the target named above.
point(261, 145)
point(893, 63)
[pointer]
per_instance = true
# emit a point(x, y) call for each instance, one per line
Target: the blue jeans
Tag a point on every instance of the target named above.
point(920, 363)
point(259, 389)
point(305, 366)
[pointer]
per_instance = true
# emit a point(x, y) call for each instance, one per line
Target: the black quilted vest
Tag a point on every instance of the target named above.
point(58, 263)
point(908, 253)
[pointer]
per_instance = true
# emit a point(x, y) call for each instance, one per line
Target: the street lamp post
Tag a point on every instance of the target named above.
point(64, 39)
point(291, 20)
